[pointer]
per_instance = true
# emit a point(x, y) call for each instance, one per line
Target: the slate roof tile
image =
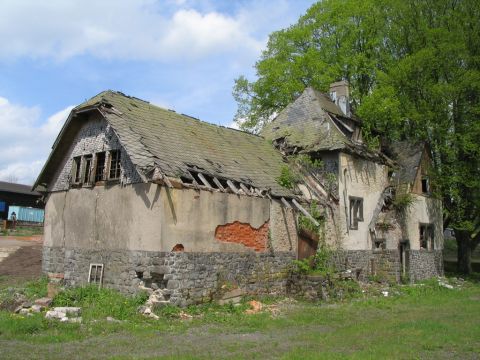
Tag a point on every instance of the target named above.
point(155, 136)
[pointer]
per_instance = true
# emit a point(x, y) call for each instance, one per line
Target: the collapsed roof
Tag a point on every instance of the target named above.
point(408, 156)
point(174, 144)
point(313, 123)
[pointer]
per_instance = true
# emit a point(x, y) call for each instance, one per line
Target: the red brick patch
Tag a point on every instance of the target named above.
point(245, 234)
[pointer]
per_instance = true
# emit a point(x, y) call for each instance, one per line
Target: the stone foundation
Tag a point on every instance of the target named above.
point(425, 264)
point(188, 277)
point(364, 264)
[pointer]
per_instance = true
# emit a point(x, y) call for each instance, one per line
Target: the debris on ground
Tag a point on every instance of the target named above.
point(184, 316)
point(255, 307)
point(232, 297)
point(157, 298)
point(65, 314)
point(45, 301)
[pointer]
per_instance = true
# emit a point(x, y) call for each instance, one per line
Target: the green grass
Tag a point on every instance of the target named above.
point(23, 231)
point(421, 322)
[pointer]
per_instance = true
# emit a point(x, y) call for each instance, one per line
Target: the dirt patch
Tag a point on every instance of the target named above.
point(26, 262)
point(36, 238)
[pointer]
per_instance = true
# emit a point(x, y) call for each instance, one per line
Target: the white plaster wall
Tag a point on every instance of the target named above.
point(149, 217)
point(425, 210)
point(364, 179)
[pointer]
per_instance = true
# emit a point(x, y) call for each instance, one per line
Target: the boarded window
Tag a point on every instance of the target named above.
point(76, 173)
point(87, 169)
point(356, 212)
point(100, 167)
point(427, 238)
point(114, 165)
point(95, 275)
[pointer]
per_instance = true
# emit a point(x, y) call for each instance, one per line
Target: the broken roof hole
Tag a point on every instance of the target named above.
point(186, 180)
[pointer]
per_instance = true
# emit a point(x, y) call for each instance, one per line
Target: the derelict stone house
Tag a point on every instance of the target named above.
point(136, 193)
point(380, 211)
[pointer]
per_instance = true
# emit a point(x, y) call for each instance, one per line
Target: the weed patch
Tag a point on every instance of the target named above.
point(100, 303)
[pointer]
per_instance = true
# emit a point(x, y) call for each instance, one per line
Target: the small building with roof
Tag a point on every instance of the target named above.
point(12, 194)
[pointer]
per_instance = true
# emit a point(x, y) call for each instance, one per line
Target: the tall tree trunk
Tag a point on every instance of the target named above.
point(464, 256)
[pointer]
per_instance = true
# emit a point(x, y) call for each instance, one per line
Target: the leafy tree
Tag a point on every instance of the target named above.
point(414, 71)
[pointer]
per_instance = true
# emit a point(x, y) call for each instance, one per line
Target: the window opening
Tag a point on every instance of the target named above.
point(425, 185)
point(427, 238)
point(100, 168)
point(76, 169)
point(114, 164)
point(95, 275)
point(380, 244)
point(356, 212)
point(88, 169)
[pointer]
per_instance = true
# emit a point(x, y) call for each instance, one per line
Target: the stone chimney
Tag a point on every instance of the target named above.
point(340, 95)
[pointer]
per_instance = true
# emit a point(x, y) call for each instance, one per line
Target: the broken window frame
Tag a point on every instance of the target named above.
point(355, 211)
point(87, 169)
point(115, 167)
point(380, 244)
point(98, 278)
point(76, 170)
point(425, 183)
point(100, 165)
point(426, 236)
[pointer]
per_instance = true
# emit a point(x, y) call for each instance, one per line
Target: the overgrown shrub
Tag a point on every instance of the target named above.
point(288, 179)
point(307, 224)
point(403, 201)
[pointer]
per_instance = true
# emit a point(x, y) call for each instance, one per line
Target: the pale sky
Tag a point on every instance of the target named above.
point(179, 54)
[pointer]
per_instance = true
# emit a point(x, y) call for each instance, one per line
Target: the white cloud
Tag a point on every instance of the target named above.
point(26, 141)
point(128, 29)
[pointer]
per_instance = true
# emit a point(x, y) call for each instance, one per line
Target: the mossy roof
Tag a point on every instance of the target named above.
point(306, 124)
point(157, 137)
point(408, 156)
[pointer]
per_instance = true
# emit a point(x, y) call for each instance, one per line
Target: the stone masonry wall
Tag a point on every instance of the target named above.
point(95, 135)
point(365, 263)
point(424, 264)
point(189, 277)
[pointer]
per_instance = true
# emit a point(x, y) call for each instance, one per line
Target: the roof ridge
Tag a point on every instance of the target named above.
point(119, 93)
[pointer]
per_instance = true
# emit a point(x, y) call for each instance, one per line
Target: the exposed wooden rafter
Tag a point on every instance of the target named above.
point(305, 212)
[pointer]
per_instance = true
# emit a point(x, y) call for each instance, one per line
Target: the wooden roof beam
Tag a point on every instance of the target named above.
point(204, 180)
point(232, 186)
point(285, 202)
point(305, 212)
point(244, 188)
point(218, 183)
